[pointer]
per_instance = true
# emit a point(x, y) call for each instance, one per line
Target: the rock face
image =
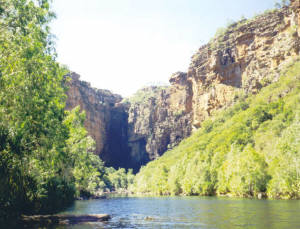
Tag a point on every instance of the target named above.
point(295, 7)
point(246, 57)
point(106, 120)
point(161, 121)
point(241, 60)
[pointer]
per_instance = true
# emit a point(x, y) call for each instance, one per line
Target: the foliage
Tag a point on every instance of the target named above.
point(31, 110)
point(247, 177)
point(46, 157)
point(286, 164)
point(87, 168)
point(281, 4)
point(250, 148)
point(143, 95)
point(119, 180)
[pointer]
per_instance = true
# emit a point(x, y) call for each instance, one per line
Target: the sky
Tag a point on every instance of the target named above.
point(124, 45)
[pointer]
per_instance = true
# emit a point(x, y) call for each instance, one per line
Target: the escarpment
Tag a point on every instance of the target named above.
point(130, 134)
point(106, 120)
point(242, 59)
point(162, 120)
point(248, 56)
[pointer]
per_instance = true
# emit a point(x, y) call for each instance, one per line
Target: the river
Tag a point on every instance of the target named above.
point(190, 212)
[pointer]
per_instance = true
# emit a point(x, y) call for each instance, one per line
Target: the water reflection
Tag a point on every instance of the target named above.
point(191, 212)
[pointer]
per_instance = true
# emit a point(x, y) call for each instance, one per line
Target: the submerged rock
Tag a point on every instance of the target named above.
point(49, 220)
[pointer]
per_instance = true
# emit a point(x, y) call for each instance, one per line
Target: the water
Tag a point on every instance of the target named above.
point(191, 212)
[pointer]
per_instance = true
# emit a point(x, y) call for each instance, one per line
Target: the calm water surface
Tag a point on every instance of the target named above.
point(191, 212)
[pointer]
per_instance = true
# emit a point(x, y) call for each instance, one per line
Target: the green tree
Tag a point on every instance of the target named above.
point(32, 99)
point(285, 165)
point(243, 173)
point(87, 168)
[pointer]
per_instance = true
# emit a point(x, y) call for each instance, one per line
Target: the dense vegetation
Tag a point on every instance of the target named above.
point(46, 157)
point(144, 95)
point(250, 148)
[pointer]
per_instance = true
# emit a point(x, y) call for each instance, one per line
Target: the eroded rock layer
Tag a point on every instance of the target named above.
point(245, 58)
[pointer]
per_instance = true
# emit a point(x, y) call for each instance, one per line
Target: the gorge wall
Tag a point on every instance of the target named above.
point(242, 59)
point(106, 120)
point(246, 57)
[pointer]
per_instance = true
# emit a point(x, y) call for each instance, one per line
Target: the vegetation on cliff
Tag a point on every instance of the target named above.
point(250, 148)
point(45, 153)
point(144, 94)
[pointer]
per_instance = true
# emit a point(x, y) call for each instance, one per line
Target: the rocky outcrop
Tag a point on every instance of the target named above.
point(242, 59)
point(295, 7)
point(50, 221)
point(129, 134)
point(161, 121)
point(248, 56)
point(106, 120)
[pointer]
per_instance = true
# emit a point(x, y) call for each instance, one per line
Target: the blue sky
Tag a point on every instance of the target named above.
point(123, 45)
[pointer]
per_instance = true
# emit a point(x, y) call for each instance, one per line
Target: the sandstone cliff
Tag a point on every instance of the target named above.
point(106, 120)
point(242, 59)
point(161, 121)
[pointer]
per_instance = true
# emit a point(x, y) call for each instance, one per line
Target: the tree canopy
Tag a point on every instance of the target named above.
point(46, 157)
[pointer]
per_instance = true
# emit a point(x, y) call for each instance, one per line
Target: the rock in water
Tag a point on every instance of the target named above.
point(49, 220)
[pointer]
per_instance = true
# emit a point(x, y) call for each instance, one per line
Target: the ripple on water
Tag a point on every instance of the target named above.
point(190, 212)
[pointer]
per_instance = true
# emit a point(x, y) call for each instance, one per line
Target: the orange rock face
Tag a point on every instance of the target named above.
point(106, 121)
point(248, 56)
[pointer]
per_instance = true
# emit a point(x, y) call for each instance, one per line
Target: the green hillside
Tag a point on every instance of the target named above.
point(250, 149)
